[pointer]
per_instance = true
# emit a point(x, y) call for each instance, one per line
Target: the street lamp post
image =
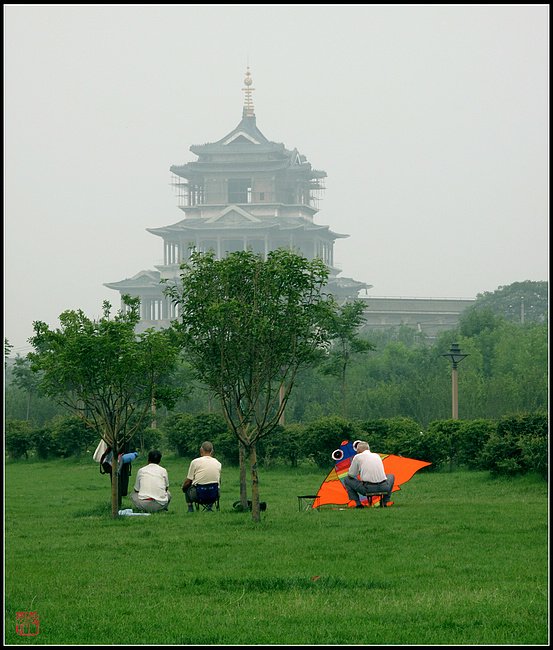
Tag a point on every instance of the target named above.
point(455, 356)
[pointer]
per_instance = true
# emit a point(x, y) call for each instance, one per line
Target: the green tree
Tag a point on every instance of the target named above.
point(345, 342)
point(248, 326)
point(8, 347)
point(518, 302)
point(101, 372)
point(26, 379)
point(475, 320)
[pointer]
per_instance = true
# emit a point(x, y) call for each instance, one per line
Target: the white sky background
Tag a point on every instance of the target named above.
point(430, 121)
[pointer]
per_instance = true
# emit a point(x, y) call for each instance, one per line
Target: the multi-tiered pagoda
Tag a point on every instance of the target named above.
point(243, 192)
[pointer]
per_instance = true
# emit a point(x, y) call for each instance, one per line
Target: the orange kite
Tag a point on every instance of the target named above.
point(333, 491)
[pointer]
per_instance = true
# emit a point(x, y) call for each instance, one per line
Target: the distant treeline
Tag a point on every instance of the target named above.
point(506, 373)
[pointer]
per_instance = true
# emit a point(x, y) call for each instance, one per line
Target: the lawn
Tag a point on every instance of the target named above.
point(459, 559)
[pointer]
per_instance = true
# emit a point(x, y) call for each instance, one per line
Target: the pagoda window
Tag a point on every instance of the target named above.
point(303, 193)
point(285, 194)
point(239, 190)
point(195, 194)
point(171, 253)
point(327, 253)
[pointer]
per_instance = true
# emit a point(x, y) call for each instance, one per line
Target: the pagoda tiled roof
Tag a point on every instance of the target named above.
point(142, 279)
point(244, 135)
point(150, 280)
point(244, 147)
point(258, 223)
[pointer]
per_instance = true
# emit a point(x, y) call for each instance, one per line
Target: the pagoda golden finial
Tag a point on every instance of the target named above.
point(248, 103)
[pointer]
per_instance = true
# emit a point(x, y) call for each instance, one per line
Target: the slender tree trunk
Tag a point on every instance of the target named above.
point(256, 515)
point(344, 391)
point(243, 477)
point(115, 482)
point(154, 421)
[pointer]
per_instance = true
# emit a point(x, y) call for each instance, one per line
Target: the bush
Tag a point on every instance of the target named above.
point(376, 433)
point(71, 436)
point(176, 429)
point(472, 438)
point(283, 443)
point(442, 442)
point(18, 438)
point(324, 436)
point(534, 450)
point(399, 436)
point(186, 432)
point(291, 445)
point(403, 438)
point(519, 445)
point(43, 442)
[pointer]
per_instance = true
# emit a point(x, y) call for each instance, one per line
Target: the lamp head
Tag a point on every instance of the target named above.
point(455, 355)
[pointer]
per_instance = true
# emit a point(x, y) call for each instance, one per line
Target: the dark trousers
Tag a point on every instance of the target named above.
point(355, 487)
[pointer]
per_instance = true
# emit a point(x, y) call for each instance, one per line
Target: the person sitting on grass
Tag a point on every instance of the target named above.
point(370, 469)
point(151, 491)
point(204, 470)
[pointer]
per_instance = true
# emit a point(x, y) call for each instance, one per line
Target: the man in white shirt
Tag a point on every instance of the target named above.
point(204, 470)
point(372, 478)
point(151, 486)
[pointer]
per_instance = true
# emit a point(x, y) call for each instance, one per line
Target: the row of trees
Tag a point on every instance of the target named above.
point(253, 329)
point(506, 372)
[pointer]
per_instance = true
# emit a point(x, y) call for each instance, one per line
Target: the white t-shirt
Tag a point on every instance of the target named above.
point(152, 482)
point(368, 466)
point(204, 470)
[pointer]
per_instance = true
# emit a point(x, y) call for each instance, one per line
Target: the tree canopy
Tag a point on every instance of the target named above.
point(248, 325)
point(102, 372)
point(518, 302)
point(346, 342)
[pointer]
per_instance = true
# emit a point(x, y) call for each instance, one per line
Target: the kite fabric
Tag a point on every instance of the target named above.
point(333, 491)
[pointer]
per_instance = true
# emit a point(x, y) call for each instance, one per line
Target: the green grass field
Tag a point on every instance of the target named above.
point(460, 558)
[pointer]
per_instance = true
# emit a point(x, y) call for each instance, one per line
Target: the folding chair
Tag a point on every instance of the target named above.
point(206, 496)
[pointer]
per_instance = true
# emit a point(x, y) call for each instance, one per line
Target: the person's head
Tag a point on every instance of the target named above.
point(154, 456)
point(362, 446)
point(206, 449)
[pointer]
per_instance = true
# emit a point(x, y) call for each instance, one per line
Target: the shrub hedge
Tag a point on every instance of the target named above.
point(514, 444)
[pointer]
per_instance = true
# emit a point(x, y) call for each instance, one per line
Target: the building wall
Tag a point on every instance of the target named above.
point(430, 315)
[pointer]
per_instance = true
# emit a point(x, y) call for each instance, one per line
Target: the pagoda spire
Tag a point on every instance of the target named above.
point(248, 102)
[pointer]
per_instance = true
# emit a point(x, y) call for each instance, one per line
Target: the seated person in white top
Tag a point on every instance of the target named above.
point(203, 471)
point(151, 486)
point(368, 466)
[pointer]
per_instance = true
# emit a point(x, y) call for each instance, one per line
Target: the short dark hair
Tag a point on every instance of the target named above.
point(154, 456)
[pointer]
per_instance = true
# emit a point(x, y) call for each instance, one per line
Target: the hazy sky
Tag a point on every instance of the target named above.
point(431, 122)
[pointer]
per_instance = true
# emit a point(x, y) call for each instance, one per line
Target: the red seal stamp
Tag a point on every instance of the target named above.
point(26, 623)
